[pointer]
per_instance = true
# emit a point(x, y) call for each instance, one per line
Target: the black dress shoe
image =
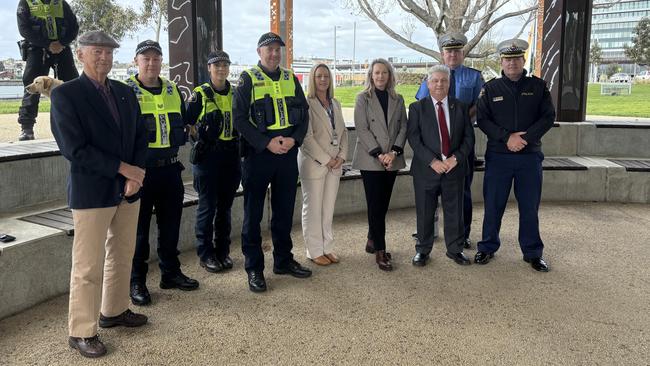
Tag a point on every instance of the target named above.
point(256, 281)
point(88, 347)
point(226, 262)
point(370, 247)
point(459, 258)
point(420, 259)
point(467, 244)
point(212, 265)
point(126, 319)
point(179, 281)
point(538, 264)
point(140, 294)
point(295, 269)
point(383, 260)
point(483, 257)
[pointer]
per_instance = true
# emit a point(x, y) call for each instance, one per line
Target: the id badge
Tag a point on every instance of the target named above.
point(335, 141)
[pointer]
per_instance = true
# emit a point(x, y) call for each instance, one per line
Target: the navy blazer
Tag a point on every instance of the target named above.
point(424, 138)
point(94, 143)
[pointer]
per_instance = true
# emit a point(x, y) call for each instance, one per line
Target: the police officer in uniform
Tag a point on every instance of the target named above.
point(48, 28)
point(465, 83)
point(270, 112)
point(514, 111)
point(216, 163)
point(162, 111)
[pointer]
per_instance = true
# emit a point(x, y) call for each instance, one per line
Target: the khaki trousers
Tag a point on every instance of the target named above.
point(319, 198)
point(102, 253)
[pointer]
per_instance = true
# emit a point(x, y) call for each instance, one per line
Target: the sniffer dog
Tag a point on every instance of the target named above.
point(43, 85)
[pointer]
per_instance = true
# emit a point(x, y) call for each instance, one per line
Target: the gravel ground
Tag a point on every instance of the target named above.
point(593, 308)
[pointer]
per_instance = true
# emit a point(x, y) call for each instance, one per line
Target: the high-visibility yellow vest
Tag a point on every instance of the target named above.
point(213, 101)
point(279, 90)
point(47, 13)
point(161, 113)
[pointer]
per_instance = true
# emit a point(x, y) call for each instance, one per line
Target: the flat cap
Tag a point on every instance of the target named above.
point(452, 41)
point(268, 38)
point(218, 56)
point(148, 45)
point(512, 48)
point(97, 38)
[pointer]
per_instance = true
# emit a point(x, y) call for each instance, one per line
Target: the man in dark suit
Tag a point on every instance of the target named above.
point(441, 135)
point(95, 123)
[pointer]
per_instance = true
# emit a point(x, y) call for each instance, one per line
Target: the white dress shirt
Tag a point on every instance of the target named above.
point(445, 108)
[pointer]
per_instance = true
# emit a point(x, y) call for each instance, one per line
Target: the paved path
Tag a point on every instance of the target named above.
point(593, 308)
point(9, 128)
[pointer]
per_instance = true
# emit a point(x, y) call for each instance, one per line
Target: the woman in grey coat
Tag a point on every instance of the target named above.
point(380, 121)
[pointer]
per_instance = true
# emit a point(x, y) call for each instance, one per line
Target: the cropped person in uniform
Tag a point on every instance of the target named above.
point(320, 162)
point(48, 28)
point(271, 114)
point(464, 85)
point(514, 111)
point(163, 113)
point(216, 164)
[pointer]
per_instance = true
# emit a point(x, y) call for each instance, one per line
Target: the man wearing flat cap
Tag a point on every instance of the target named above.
point(270, 112)
point(514, 111)
point(465, 83)
point(215, 163)
point(162, 113)
point(96, 124)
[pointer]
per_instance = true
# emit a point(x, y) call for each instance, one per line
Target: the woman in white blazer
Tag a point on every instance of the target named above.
point(380, 121)
point(320, 158)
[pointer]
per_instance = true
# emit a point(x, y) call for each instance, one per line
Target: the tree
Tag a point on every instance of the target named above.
point(595, 57)
point(155, 12)
point(612, 69)
point(105, 15)
point(640, 50)
point(473, 18)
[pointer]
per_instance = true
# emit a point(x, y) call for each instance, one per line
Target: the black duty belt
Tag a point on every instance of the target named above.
point(162, 162)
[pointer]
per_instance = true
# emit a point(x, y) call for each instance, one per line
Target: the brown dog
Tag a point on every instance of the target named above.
point(43, 85)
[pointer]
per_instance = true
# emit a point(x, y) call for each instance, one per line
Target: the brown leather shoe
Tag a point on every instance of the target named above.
point(333, 257)
point(126, 319)
point(383, 260)
point(322, 260)
point(88, 347)
point(370, 246)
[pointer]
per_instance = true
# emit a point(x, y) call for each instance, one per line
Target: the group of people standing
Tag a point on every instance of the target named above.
point(122, 141)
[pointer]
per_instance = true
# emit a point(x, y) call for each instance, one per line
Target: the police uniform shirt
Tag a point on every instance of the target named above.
point(469, 82)
point(242, 110)
point(195, 105)
point(67, 28)
point(154, 155)
point(506, 106)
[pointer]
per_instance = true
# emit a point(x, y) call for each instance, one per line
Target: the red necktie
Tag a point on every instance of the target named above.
point(444, 131)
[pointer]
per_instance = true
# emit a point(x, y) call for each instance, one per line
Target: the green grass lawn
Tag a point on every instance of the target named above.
point(11, 106)
point(635, 105)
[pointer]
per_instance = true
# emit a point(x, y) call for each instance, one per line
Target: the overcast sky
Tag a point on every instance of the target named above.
point(246, 20)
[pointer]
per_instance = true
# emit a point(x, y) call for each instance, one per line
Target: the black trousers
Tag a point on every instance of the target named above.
point(467, 199)
point(39, 62)
point(426, 203)
point(378, 186)
point(216, 183)
point(163, 190)
point(281, 172)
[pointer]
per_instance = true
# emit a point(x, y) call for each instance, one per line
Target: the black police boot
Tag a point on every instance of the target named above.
point(140, 294)
point(26, 134)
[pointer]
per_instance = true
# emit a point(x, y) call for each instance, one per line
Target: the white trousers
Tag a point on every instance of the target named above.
point(318, 200)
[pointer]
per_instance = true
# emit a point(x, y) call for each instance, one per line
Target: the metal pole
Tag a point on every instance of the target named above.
point(334, 71)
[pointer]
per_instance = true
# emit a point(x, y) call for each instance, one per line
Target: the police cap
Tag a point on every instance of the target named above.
point(148, 45)
point(268, 38)
point(452, 41)
point(97, 38)
point(218, 56)
point(512, 48)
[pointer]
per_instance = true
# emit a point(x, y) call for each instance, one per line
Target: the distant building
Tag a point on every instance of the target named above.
point(613, 27)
